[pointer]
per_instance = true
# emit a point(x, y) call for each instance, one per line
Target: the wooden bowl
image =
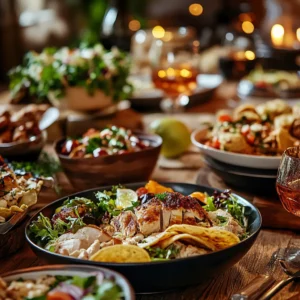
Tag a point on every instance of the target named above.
point(92, 172)
point(24, 150)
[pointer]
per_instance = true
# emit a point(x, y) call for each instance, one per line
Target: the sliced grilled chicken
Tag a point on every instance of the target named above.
point(66, 247)
point(183, 210)
point(83, 239)
point(149, 216)
point(125, 223)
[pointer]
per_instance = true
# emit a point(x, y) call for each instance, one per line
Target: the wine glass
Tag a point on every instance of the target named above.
point(175, 66)
point(288, 180)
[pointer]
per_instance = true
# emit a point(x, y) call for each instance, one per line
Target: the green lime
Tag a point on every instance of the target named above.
point(125, 197)
point(175, 135)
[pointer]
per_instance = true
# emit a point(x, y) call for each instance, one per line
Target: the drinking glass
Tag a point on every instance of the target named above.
point(288, 180)
point(174, 67)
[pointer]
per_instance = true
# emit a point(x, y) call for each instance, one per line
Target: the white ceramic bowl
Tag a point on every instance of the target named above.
point(237, 159)
point(77, 98)
point(71, 270)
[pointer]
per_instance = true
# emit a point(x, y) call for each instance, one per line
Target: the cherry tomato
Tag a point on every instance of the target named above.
point(68, 146)
point(141, 191)
point(250, 138)
point(99, 152)
point(56, 295)
point(225, 118)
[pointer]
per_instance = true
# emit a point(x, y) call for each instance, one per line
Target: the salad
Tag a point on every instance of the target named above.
point(93, 287)
point(53, 70)
point(266, 129)
point(151, 223)
point(109, 141)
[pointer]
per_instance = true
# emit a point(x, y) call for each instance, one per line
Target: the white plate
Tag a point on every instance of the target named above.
point(236, 159)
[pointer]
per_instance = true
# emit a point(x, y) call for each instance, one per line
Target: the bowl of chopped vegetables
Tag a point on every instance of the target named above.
point(83, 79)
point(102, 157)
point(65, 282)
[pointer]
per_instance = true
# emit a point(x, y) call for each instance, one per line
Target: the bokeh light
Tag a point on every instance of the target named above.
point(134, 25)
point(250, 55)
point(158, 32)
point(196, 9)
point(247, 27)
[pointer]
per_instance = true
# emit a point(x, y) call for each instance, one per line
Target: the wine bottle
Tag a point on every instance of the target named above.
point(115, 30)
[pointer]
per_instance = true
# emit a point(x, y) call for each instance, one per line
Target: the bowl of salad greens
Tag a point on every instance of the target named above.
point(74, 282)
point(84, 78)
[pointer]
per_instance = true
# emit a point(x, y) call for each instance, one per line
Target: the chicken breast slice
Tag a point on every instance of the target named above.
point(125, 223)
point(68, 246)
point(87, 233)
point(149, 217)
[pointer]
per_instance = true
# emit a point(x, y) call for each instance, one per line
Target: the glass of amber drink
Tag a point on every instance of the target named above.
point(288, 180)
point(175, 67)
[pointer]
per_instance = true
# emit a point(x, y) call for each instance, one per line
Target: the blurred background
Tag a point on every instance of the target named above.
point(34, 24)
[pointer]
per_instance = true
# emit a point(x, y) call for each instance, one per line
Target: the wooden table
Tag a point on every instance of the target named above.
point(224, 285)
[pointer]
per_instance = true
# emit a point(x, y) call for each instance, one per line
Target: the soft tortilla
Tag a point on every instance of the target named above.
point(156, 238)
point(219, 238)
point(191, 239)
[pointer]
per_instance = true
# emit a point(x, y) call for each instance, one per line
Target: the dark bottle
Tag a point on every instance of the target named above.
point(115, 30)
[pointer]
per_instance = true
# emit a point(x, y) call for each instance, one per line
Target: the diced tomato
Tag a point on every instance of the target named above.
point(99, 152)
point(225, 118)
point(261, 84)
point(56, 295)
point(141, 191)
point(250, 138)
point(245, 130)
point(216, 143)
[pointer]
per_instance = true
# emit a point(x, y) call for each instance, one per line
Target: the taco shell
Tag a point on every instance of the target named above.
point(220, 239)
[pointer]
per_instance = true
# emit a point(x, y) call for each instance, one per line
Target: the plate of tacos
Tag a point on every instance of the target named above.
point(148, 231)
point(251, 136)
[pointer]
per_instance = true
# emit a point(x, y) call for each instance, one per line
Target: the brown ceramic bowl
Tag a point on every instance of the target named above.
point(24, 150)
point(92, 172)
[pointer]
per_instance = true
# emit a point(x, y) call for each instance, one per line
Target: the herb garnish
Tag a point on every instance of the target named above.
point(161, 196)
point(157, 253)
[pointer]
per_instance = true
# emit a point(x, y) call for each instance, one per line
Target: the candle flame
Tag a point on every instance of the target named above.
point(298, 34)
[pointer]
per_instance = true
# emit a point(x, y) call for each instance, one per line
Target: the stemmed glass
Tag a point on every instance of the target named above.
point(288, 180)
point(175, 67)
